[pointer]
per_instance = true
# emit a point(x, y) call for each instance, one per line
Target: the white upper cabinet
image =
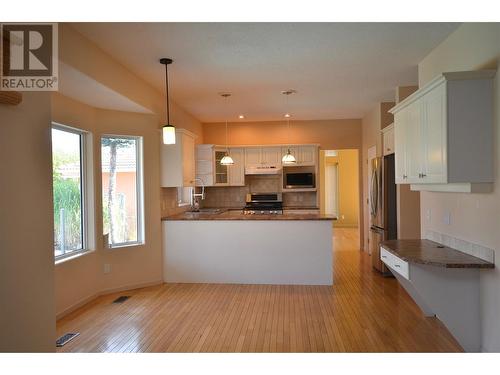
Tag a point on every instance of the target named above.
point(414, 143)
point(306, 155)
point(434, 148)
point(388, 139)
point(400, 146)
point(253, 156)
point(271, 155)
point(212, 173)
point(444, 134)
point(263, 156)
point(178, 161)
point(237, 170)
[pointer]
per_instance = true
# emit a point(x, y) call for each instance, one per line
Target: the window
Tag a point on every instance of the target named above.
point(122, 193)
point(71, 190)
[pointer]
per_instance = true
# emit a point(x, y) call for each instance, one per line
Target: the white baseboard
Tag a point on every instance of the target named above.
point(104, 292)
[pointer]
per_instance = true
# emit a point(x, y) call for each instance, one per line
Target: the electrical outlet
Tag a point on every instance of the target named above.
point(107, 268)
point(447, 218)
point(428, 214)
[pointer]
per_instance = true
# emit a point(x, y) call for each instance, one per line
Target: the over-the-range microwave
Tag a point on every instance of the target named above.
point(298, 180)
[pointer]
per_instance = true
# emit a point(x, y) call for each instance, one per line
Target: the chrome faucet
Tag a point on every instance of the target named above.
point(195, 204)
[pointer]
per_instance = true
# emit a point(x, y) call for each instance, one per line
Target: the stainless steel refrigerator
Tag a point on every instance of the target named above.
point(383, 210)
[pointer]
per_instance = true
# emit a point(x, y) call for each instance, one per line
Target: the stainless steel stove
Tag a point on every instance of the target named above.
point(264, 204)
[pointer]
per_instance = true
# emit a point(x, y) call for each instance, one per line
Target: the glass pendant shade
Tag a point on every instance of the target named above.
point(288, 158)
point(168, 135)
point(227, 160)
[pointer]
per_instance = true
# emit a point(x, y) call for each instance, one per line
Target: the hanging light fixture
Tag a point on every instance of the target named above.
point(168, 130)
point(227, 159)
point(288, 158)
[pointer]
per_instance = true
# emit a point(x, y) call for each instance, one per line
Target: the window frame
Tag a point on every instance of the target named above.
point(139, 181)
point(87, 192)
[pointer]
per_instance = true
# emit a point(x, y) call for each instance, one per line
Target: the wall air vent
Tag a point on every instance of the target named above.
point(121, 299)
point(64, 339)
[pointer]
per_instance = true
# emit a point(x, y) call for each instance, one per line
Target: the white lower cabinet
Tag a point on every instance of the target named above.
point(443, 134)
point(395, 263)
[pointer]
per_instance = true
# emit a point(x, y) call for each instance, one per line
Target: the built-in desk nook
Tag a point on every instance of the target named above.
point(442, 281)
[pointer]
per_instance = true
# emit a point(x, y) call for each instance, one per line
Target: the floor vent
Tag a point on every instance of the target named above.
point(64, 339)
point(121, 299)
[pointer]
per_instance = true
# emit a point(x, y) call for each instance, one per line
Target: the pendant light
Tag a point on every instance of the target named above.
point(288, 158)
point(168, 130)
point(227, 159)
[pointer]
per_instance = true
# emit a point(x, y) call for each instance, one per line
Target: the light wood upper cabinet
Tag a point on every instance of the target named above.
point(178, 161)
point(444, 134)
point(388, 140)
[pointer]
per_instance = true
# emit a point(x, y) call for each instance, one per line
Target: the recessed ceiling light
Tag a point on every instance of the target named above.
point(287, 115)
point(241, 116)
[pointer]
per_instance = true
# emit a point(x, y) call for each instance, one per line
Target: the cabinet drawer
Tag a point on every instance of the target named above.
point(395, 263)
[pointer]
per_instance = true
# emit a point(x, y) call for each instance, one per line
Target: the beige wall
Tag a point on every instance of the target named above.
point(330, 134)
point(80, 279)
point(347, 162)
point(27, 319)
point(474, 217)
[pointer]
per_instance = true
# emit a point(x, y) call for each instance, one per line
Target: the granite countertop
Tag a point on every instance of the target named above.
point(238, 215)
point(434, 254)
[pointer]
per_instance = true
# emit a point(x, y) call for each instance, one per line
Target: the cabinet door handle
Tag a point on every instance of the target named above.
point(405, 176)
point(384, 256)
point(424, 175)
point(397, 265)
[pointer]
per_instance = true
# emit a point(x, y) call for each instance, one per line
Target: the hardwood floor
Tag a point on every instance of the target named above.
point(361, 312)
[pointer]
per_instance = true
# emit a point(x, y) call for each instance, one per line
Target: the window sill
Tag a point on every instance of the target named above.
point(126, 245)
point(78, 254)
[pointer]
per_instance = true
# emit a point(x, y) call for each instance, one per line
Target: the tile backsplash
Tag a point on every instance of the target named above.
point(462, 245)
point(169, 201)
point(234, 196)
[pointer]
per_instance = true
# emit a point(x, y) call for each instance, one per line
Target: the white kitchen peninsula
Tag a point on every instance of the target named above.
point(234, 248)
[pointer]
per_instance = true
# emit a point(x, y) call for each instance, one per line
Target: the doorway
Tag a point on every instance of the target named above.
point(339, 186)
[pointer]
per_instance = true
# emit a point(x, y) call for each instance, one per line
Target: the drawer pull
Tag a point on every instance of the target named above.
point(397, 265)
point(384, 256)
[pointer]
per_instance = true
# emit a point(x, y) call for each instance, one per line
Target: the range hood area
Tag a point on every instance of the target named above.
point(263, 170)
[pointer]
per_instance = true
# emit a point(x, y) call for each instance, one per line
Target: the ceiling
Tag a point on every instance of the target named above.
point(340, 70)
